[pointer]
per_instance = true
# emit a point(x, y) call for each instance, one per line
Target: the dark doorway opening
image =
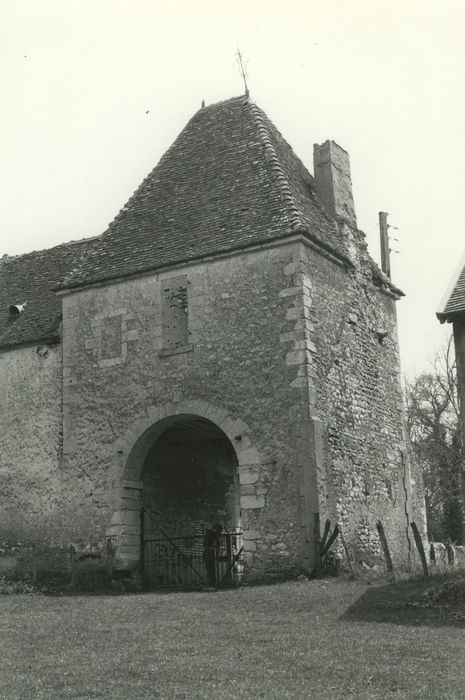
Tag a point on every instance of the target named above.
point(190, 526)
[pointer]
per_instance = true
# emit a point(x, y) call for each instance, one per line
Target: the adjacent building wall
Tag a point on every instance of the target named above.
point(30, 443)
point(459, 344)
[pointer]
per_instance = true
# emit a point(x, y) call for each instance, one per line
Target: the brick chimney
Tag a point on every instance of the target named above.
point(332, 181)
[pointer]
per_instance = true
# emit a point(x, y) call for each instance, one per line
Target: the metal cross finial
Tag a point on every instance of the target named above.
point(242, 72)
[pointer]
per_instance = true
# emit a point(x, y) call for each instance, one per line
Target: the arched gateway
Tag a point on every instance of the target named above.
point(177, 516)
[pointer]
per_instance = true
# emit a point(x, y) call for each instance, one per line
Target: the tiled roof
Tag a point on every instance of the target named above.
point(31, 279)
point(229, 181)
point(454, 300)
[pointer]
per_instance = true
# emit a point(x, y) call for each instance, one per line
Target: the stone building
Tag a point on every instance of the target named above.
point(226, 352)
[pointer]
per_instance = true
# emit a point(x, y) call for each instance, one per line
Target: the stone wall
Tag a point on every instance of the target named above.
point(355, 382)
point(30, 443)
point(120, 375)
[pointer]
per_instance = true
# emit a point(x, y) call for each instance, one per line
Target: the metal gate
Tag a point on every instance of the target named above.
point(210, 559)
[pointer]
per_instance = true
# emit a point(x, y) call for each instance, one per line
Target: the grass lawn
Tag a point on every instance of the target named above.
point(317, 639)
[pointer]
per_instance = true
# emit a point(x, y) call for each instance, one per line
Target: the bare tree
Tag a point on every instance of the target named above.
point(434, 428)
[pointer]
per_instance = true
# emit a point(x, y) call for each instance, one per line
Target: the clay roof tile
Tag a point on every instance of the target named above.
point(32, 279)
point(453, 303)
point(229, 181)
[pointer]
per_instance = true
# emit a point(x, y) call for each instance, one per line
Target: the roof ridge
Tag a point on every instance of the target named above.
point(10, 258)
point(164, 156)
point(228, 100)
point(276, 168)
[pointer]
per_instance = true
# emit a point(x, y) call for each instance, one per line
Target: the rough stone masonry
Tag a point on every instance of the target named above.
point(225, 352)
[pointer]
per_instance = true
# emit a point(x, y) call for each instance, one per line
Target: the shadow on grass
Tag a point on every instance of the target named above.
point(404, 603)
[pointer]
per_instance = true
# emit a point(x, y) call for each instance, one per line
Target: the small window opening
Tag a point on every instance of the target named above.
point(175, 315)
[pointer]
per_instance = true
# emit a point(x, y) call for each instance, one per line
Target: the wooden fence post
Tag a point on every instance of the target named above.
point(325, 549)
point(346, 550)
point(385, 546)
point(325, 535)
point(450, 552)
point(421, 550)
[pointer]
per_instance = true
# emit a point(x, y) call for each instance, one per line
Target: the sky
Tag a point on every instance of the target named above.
point(95, 91)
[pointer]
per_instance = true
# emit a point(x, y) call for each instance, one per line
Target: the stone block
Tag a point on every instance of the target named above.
point(292, 268)
point(305, 281)
point(239, 428)
point(132, 484)
point(125, 517)
point(287, 337)
point(296, 312)
point(115, 530)
point(298, 357)
point(289, 292)
point(153, 414)
point(248, 557)
point(248, 476)
point(302, 344)
point(251, 535)
point(301, 382)
point(252, 502)
point(115, 312)
point(130, 335)
point(130, 503)
point(132, 540)
point(307, 300)
point(133, 529)
point(127, 557)
point(110, 362)
point(249, 456)
point(304, 324)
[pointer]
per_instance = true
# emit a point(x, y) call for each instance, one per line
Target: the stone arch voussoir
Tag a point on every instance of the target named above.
point(131, 449)
point(147, 427)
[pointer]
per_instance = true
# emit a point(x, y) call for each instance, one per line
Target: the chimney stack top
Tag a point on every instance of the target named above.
point(333, 184)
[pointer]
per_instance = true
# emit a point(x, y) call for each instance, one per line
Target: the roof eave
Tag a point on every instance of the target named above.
point(450, 316)
point(70, 287)
point(44, 340)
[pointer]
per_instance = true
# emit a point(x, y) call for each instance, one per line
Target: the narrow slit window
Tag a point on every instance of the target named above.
point(175, 315)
